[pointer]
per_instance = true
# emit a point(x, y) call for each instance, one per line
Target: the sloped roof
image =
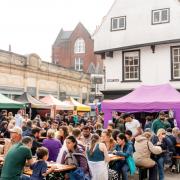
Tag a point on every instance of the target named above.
point(7, 103)
point(59, 105)
point(162, 96)
point(28, 99)
point(62, 36)
point(78, 106)
point(65, 35)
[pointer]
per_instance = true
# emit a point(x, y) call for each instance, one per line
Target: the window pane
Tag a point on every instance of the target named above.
point(177, 66)
point(156, 16)
point(126, 62)
point(164, 15)
point(127, 69)
point(127, 76)
point(176, 52)
point(176, 59)
point(131, 69)
point(122, 22)
point(136, 75)
point(115, 23)
point(136, 61)
point(176, 73)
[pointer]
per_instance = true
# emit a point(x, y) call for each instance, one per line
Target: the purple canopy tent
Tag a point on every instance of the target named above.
point(145, 99)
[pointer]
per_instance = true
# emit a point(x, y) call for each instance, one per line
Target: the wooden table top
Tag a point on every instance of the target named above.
point(178, 145)
point(115, 157)
point(60, 168)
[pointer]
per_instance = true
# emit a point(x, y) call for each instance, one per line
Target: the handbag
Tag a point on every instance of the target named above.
point(77, 174)
point(131, 163)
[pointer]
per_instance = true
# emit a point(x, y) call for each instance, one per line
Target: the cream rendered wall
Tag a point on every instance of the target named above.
point(155, 68)
point(138, 29)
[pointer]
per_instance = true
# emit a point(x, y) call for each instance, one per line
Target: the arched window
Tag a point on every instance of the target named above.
point(79, 46)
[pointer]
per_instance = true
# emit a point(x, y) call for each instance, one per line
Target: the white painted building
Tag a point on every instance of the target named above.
point(139, 41)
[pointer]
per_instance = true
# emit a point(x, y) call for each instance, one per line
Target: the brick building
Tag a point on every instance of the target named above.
point(75, 50)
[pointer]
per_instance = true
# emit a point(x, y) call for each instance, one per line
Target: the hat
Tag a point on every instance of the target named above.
point(162, 113)
point(125, 115)
point(16, 129)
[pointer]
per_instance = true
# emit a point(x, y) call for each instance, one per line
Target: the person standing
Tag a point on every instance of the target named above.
point(19, 119)
point(97, 155)
point(132, 124)
point(160, 123)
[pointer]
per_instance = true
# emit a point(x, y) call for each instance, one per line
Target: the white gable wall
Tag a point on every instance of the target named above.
point(139, 29)
point(155, 68)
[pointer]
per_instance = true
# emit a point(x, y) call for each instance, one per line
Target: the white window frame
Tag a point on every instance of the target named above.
point(176, 62)
point(118, 19)
point(78, 64)
point(79, 46)
point(160, 16)
point(130, 68)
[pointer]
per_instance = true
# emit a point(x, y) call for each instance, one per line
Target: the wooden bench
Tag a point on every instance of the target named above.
point(177, 162)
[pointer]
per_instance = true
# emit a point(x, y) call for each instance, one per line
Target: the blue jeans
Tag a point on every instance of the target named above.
point(24, 177)
point(122, 168)
point(124, 171)
point(160, 163)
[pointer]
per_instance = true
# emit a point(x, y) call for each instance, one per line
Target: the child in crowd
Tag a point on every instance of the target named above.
point(40, 168)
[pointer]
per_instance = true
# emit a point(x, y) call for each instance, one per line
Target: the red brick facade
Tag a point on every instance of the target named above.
point(63, 49)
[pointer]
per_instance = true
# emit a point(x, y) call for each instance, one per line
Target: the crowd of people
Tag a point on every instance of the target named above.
point(85, 143)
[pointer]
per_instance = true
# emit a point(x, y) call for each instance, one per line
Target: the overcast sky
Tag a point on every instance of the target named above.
point(31, 26)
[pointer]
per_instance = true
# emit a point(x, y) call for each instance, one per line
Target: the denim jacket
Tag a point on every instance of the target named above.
point(126, 151)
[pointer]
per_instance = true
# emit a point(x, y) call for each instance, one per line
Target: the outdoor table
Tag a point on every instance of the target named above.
point(178, 145)
point(60, 168)
point(115, 157)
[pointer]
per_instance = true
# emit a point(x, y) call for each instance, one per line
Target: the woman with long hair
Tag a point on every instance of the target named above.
point(107, 139)
point(125, 149)
point(75, 155)
point(62, 133)
point(98, 157)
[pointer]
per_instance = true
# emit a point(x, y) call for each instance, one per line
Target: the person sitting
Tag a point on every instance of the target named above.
point(125, 149)
point(40, 168)
point(97, 155)
point(35, 136)
point(160, 140)
point(53, 145)
point(143, 150)
point(16, 158)
point(75, 155)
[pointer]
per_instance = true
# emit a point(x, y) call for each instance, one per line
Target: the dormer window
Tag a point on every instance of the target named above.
point(160, 16)
point(79, 46)
point(118, 23)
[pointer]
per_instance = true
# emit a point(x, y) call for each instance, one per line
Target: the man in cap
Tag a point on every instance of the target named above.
point(160, 122)
point(132, 124)
point(15, 137)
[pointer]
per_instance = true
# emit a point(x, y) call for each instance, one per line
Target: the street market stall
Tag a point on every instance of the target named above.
point(7, 103)
point(78, 106)
point(145, 99)
point(56, 103)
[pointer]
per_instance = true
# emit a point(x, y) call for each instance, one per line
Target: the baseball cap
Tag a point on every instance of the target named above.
point(16, 129)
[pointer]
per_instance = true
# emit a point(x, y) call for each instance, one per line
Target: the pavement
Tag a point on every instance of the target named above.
point(168, 176)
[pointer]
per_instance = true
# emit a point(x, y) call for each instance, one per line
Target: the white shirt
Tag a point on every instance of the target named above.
point(133, 126)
